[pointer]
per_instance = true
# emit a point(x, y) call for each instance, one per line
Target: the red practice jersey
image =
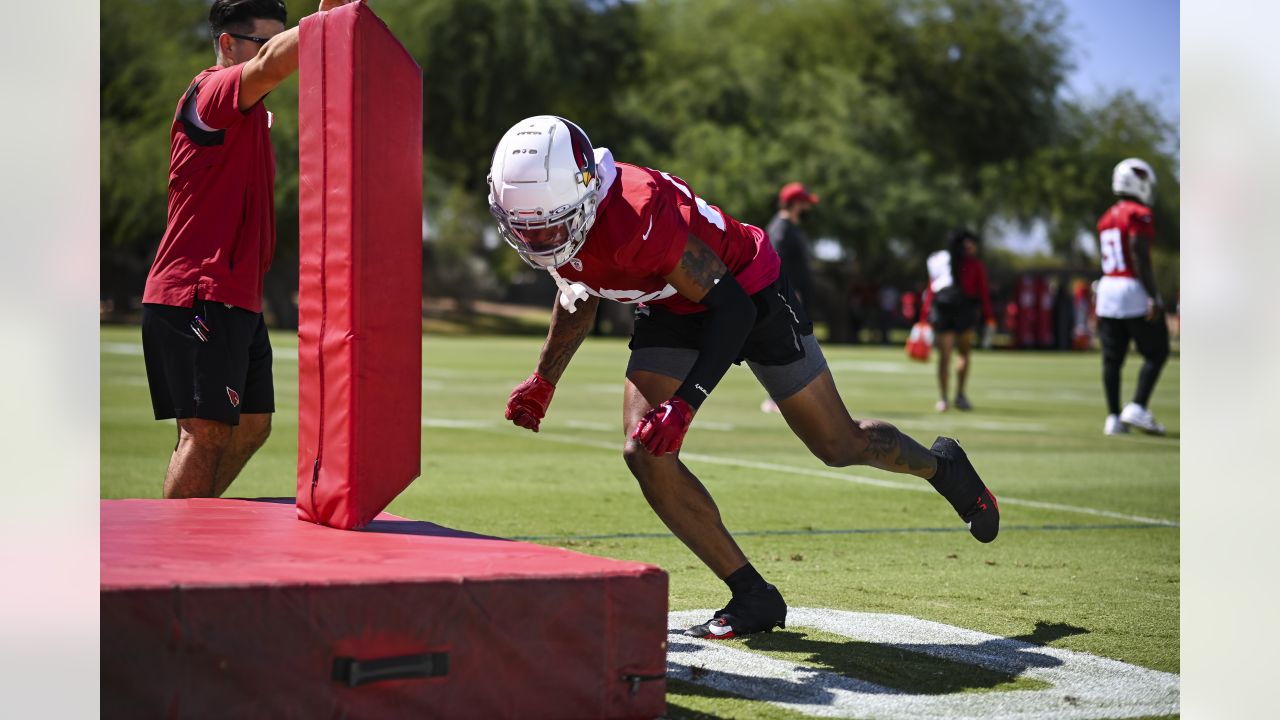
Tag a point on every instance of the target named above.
point(221, 231)
point(641, 228)
point(974, 286)
point(1123, 220)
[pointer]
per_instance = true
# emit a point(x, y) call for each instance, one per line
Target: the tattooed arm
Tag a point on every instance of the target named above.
point(565, 334)
point(702, 277)
point(529, 401)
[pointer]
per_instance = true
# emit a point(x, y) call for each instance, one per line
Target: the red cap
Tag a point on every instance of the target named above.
point(796, 191)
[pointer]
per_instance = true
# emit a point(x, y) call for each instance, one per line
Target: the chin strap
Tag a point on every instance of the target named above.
point(570, 293)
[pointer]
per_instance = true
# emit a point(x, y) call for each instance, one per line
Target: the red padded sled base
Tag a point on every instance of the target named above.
point(232, 608)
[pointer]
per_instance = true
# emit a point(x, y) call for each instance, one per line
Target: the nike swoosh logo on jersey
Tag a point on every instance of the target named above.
point(645, 236)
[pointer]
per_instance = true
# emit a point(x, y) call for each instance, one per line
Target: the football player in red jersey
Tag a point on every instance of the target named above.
point(709, 295)
point(1128, 303)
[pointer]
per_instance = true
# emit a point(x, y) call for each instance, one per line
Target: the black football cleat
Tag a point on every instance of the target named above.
point(960, 485)
point(760, 610)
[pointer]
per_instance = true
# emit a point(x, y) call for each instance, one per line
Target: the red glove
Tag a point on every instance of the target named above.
point(528, 402)
point(662, 429)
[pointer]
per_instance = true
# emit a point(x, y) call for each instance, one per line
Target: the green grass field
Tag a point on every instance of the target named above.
point(1087, 560)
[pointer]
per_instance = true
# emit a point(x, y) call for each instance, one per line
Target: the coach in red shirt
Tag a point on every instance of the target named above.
point(207, 352)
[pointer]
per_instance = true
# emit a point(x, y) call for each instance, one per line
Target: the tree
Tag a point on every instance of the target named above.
point(893, 111)
point(909, 117)
point(151, 49)
point(1068, 181)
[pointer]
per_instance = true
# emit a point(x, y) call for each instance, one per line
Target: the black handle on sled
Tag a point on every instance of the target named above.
point(354, 673)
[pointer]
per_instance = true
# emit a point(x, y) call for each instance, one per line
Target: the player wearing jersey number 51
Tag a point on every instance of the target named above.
point(1128, 303)
point(708, 295)
point(206, 347)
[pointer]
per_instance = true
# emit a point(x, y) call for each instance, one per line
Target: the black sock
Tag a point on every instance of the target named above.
point(940, 481)
point(945, 482)
point(744, 580)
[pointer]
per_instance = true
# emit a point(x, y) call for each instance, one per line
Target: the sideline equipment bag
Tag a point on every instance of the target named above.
point(920, 341)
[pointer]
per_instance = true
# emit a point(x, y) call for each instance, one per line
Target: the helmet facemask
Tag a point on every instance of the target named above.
point(544, 190)
point(546, 240)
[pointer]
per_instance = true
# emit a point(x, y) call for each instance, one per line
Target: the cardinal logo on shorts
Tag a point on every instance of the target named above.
point(234, 397)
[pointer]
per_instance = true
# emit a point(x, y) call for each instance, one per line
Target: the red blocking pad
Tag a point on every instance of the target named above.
point(232, 608)
point(360, 279)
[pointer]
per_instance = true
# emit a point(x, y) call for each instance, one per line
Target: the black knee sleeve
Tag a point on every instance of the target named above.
point(1157, 356)
point(1112, 361)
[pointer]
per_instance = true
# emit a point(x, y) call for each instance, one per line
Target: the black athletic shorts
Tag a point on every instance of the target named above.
point(961, 316)
point(209, 361)
point(1151, 338)
point(780, 350)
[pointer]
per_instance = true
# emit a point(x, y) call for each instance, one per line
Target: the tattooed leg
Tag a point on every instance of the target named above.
point(819, 418)
point(888, 448)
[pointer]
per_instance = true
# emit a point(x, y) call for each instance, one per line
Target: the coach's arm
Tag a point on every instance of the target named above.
point(277, 60)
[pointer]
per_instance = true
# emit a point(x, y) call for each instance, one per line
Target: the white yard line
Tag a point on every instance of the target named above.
point(607, 427)
point(590, 425)
point(878, 366)
point(918, 486)
point(966, 424)
point(116, 348)
point(119, 348)
point(1082, 686)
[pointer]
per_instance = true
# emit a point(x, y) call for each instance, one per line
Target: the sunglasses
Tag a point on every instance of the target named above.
point(250, 38)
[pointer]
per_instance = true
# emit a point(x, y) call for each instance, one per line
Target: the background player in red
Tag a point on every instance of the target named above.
point(1128, 303)
point(956, 294)
point(709, 294)
point(207, 352)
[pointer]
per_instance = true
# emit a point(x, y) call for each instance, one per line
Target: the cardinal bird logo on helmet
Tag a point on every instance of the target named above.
point(582, 152)
point(544, 189)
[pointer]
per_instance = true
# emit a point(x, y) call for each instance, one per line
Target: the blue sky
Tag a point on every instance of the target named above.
point(1125, 43)
point(1115, 44)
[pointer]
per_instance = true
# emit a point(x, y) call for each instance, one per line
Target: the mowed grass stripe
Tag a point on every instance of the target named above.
point(843, 531)
point(487, 426)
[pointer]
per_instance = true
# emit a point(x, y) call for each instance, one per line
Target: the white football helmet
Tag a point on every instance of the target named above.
point(1135, 178)
point(543, 189)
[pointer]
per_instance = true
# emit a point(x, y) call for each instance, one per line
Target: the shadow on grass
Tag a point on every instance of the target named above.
point(396, 527)
point(926, 669)
point(419, 527)
point(676, 710)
